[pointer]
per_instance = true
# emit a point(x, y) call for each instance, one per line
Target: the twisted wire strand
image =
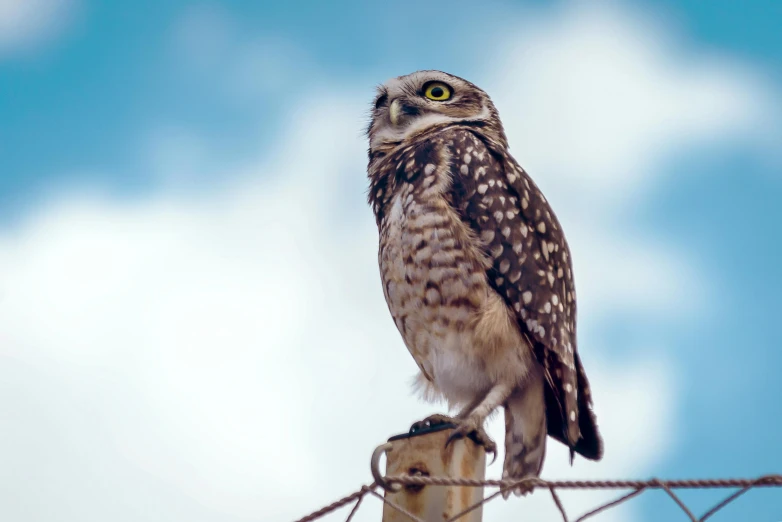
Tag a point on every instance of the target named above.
point(325, 510)
point(394, 483)
point(654, 483)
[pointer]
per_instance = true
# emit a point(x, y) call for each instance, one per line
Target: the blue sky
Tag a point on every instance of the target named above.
point(187, 256)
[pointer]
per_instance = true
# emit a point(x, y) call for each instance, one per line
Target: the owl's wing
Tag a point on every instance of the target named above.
point(531, 269)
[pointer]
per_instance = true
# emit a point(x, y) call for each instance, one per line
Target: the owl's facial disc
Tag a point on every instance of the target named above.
point(408, 105)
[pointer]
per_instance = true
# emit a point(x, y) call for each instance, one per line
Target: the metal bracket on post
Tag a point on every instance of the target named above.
point(423, 453)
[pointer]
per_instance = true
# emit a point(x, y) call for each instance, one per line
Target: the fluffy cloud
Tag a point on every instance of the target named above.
point(602, 101)
point(229, 355)
point(607, 97)
point(219, 50)
point(25, 22)
point(234, 347)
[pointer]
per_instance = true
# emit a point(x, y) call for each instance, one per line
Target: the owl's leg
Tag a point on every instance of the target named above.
point(438, 419)
point(470, 424)
point(525, 432)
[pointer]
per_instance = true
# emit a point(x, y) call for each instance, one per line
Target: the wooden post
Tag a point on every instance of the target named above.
point(424, 454)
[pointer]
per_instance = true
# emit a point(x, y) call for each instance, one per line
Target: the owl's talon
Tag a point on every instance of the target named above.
point(519, 491)
point(477, 435)
point(431, 421)
point(493, 455)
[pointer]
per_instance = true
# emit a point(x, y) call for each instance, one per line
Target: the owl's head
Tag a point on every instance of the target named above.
point(408, 105)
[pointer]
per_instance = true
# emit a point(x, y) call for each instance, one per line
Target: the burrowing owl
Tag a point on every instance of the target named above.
point(476, 270)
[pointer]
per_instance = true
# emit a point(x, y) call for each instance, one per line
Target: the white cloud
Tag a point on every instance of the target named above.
point(215, 47)
point(176, 157)
point(235, 347)
point(229, 355)
point(602, 102)
point(607, 96)
point(26, 22)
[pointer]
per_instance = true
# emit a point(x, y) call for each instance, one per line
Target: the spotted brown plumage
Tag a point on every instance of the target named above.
point(531, 270)
point(476, 269)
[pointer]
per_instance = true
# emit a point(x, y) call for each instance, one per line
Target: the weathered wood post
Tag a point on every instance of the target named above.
point(423, 453)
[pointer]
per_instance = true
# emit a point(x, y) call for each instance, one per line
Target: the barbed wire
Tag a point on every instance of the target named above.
point(637, 487)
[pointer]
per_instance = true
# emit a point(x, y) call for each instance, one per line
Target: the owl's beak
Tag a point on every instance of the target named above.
point(395, 111)
point(400, 112)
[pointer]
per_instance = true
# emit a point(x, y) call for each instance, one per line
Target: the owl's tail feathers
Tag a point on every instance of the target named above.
point(525, 433)
point(590, 445)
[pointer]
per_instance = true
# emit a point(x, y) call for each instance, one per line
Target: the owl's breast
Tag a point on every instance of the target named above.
point(433, 276)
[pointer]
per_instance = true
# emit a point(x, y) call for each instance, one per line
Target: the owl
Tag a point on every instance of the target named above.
point(476, 272)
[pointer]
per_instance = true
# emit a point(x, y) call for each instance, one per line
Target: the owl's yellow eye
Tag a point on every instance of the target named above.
point(437, 91)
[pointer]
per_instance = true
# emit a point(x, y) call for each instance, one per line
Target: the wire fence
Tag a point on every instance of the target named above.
point(637, 487)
